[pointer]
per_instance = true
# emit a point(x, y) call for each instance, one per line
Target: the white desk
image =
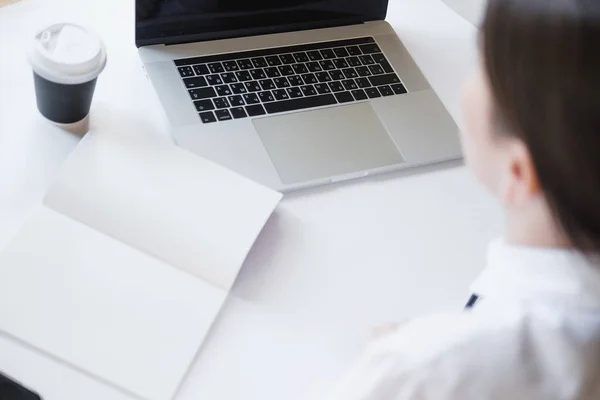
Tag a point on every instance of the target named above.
point(331, 263)
point(471, 10)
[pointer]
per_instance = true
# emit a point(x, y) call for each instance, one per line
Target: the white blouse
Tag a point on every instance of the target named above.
point(534, 334)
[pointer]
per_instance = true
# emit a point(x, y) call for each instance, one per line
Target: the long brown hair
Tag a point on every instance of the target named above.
point(542, 58)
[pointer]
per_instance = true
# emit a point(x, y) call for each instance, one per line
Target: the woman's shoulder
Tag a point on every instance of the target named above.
point(426, 339)
point(490, 353)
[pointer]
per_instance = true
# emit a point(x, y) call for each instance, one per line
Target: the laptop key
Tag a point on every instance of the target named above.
point(223, 90)
point(353, 61)
point(323, 77)
point(373, 93)
point(186, 72)
point(344, 97)
point(366, 60)
point(376, 69)
point(229, 77)
point(273, 61)
point(340, 63)
point(350, 73)
point(197, 82)
point(314, 67)
point(252, 86)
point(350, 84)
point(336, 87)
point(214, 80)
point(363, 83)
point(243, 76)
point(203, 93)
point(201, 69)
point(266, 97)
point(337, 75)
point(286, 70)
point(194, 95)
point(387, 67)
point(236, 101)
point(363, 71)
point(245, 64)
point(223, 115)
point(294, 92)
point(314, 55)
point(341, 52)
point(300, 104)
point(259, 62)
point(221, 102)
point(322, 88)
point(253, 111)
point(359, 95)
point(387, 79)
point(281, 82)
point(288, 59)
point(251, 98)
point(230, 66)
point(207, 117)
point(295, 81)
point(308, 90)
point(258, 74)
point(386, 90)
point(300, 69)
point(272, 72)
point(328, 54)
point(267, 84)
point(370, 48)
point(327, 65)
point(238, 112)
point(399, 88)
point(378, 58)
point(309, 79)
point(280, 94)
point(301, 57)
point(204, 105)
point(354, 50)
point(216, 68)
point(238, 88)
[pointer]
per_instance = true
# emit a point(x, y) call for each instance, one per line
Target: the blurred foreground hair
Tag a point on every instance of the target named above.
point(542, 58)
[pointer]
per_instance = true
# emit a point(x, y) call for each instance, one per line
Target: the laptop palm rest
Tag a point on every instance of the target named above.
point(326, 143)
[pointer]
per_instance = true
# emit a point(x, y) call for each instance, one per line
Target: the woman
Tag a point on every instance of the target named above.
point(532, 138)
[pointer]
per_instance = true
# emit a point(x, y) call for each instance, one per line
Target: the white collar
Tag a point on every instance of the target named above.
point(539, 274)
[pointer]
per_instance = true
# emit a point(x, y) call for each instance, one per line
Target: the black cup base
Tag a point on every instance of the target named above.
point(63, 104)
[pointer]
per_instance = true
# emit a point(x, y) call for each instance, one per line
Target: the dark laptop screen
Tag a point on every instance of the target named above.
point(178, 21)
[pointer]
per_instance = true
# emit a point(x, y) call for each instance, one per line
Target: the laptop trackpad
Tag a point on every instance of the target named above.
point(325, 143)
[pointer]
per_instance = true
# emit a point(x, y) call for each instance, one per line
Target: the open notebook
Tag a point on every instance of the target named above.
point(123, 270)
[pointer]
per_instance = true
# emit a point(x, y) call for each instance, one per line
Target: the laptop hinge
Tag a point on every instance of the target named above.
point(182, 38)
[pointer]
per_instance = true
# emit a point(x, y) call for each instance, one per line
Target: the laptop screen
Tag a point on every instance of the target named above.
point(179, 21)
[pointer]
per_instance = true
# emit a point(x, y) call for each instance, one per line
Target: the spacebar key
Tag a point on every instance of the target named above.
point(300, 104)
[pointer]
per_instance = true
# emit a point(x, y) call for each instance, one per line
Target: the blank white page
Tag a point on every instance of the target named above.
point(163, 200)
point(112, 311)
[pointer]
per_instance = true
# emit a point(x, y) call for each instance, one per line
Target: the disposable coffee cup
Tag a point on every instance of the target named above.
point(66, 60)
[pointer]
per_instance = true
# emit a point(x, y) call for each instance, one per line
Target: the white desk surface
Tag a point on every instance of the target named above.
point(332, 263)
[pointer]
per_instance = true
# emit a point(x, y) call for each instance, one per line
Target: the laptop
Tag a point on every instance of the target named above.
point(292, 93)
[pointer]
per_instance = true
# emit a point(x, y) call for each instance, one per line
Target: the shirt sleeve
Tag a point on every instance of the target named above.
point(443, 357)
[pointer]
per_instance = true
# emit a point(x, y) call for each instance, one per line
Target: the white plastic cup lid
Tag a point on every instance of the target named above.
point(67, 54)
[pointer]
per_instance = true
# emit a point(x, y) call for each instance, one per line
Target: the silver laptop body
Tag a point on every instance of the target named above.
point(268, 108)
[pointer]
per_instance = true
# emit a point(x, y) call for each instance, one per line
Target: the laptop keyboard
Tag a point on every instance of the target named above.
point(252, 83)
